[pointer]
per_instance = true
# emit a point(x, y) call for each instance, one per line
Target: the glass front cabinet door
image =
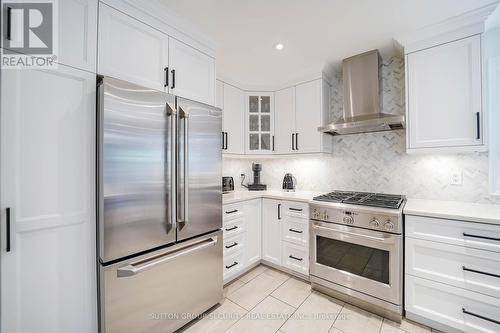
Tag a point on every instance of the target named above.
point(260, 120)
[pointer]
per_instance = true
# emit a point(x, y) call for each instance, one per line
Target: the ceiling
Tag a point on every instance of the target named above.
point(315, 33)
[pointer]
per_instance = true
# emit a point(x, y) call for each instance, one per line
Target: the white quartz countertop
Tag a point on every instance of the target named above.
point(237, 196)
point(455, 210)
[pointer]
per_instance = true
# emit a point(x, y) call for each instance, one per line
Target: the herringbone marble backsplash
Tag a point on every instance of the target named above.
point(377, 162)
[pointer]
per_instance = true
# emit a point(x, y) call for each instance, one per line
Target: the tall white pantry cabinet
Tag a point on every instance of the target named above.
point(47, 161)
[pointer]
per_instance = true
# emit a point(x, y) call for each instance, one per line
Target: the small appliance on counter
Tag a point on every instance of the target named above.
point(289, 182)
point(227, 184)
point(256, 186)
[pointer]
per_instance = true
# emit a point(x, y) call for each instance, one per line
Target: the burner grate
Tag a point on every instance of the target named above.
point(363, 199)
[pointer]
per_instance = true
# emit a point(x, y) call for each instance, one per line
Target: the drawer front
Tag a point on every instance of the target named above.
point(463, 267)
point(232, 211)
point(234, 244)
point(233, 264)
point(296, 209)
point(295, 257)
point(446, 305)
point(295, 232)
point(234, 227)
point(475, 235)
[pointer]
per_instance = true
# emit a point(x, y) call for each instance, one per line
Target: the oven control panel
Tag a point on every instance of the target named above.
point(363, 218)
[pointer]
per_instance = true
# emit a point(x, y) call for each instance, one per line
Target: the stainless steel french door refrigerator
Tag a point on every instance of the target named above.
point(159, 208)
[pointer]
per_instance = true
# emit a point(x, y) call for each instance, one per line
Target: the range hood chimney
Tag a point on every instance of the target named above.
point(363, 98)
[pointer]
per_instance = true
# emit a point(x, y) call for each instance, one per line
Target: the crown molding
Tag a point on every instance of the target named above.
point(460, 26)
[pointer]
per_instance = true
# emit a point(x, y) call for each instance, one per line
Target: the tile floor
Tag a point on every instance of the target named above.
point(267, 300)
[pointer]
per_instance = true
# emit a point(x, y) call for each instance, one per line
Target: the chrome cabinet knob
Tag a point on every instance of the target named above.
point(374, 223)
point(389, 226)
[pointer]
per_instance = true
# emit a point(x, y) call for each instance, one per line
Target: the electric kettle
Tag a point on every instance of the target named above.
point(289, 182)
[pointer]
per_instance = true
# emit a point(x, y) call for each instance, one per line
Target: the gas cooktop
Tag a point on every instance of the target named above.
point(363, 199)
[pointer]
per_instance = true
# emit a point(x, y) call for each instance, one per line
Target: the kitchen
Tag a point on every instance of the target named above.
point(358, 154)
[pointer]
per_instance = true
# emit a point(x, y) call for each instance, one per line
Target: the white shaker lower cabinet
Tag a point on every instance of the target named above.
point(192, 73)
point(131, 50)
point(295, 237)
point(452, 274)
point(272, 217)
point(48, 276)
point(444, 96)
point(253, 227)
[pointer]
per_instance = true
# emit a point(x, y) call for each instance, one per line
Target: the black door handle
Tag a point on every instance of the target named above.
point(296, 231)
point(9, 23)
point(222, 140)
point(479, 272)
point(294, 258)
point(481, 237)
point(166, 77)
point(233, 228)
point(295, 209)
point(273, 142)
point(480, 317)
point(293, 141)
point(232, 245)
point(232, 211)
point(226, 140)
point(7, 229)
point(478, 126)
point(173, 79)
point(232, 265)
point(279, 211)
point(296, 141)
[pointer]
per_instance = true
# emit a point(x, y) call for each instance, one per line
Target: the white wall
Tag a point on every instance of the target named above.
point(377, 162)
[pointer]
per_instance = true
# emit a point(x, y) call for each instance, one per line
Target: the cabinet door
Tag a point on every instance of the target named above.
point(192, 73)
point(131, 50)
point(78, 33)
point(253, 231)
point(272, 214)
point(308, 117)
point(48, 277)
point(284, 120)
point(219, 94)
point(444, 95)
point(260, 123)
point(233, 120)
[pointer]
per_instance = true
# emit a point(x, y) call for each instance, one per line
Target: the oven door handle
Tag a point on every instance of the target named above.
point(380, 239)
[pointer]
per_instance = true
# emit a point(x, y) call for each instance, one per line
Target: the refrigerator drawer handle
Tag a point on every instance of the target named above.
point(144, 265)
point(233, 228)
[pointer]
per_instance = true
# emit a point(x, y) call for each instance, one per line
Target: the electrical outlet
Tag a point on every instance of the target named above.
point(457, 177)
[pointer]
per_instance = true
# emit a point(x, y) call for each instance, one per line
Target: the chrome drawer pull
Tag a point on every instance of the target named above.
point(294, 258)
point(235, 227)
point(232, 211)
point(232, 245)
point(232, 265)
point(482, 237)
point(479, 272)
point(295, 209)
point(296, 231)
point(480, 317)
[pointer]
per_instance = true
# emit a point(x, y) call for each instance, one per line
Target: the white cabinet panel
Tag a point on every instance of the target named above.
point(295, 231)
point(233, 120)
point(284, 120)
point(308, 117)
point(295, 258)
point(131, 50)
point(253, 230)
point(463, 267)
point(78, 33)
point(259, 122)
point(192, 73)
point(444, 95)
point(272, 214)
point(219, 94)
point(47, 175)
point(445, 305)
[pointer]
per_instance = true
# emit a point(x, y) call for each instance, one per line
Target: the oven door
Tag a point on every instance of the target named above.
point(363, 260)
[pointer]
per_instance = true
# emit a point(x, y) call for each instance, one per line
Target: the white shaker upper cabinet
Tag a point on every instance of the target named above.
point(131, 50)
point(260, 123)
point(233, 120)
point(444, 96)
point(284, 118)
point(48, 263)
point(192, 73)
point(78, 33)
point(219, 94)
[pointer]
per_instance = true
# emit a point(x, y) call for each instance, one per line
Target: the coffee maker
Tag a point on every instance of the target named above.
point(256, 186)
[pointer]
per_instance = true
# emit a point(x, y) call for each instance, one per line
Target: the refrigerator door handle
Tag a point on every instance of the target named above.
point(185, 116)
point(146, 264)
point(171, 113)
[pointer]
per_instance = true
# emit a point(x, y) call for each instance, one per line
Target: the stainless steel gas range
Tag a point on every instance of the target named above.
point(356, 249)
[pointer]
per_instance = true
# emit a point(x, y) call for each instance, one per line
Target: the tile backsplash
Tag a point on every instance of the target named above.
point(376, 162)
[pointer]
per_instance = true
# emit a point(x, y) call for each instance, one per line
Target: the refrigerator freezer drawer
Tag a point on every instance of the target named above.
point(163, 290)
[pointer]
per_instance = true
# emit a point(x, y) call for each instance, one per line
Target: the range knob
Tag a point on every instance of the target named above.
point(374, 223)
point(348, 219)
point(325, 215)
point(389, 226)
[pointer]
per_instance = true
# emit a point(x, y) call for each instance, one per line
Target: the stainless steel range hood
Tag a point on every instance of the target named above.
point(363, 98)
